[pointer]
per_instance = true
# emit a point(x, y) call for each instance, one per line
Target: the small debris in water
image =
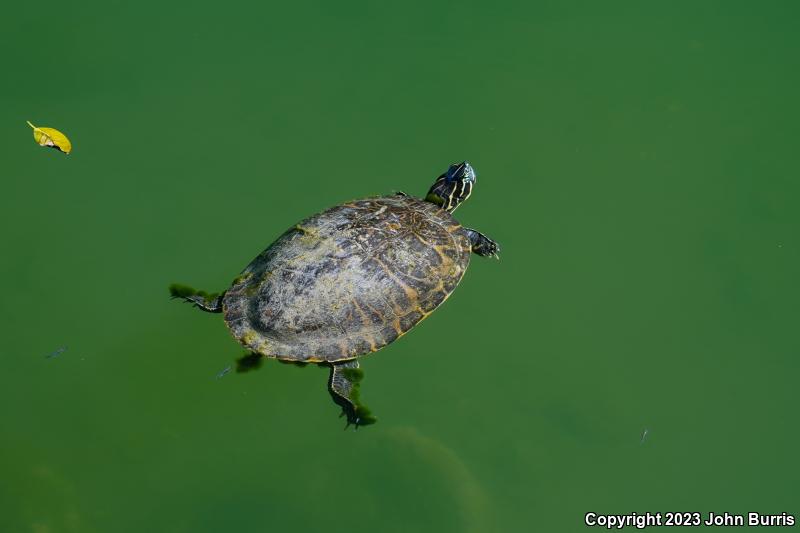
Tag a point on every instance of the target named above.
point(58, 351)
point(644, 436)
point(224, 371)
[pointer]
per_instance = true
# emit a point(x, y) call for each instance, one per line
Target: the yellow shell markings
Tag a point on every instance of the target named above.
point(308, 236)
point(51, 137)
point(440, 286)
point(367, 325)
point(250, 339)
point(411, 293)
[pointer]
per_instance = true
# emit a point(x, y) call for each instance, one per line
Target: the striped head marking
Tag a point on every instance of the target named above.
point(452, 187)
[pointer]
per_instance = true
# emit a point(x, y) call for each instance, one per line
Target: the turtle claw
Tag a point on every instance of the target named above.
point(488, 249)
point(350, 421)
point(494, 250)
point(355, 424)
point(356, 418)
point(353, 420)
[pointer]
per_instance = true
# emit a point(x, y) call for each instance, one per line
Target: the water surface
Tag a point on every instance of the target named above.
point(636, 161)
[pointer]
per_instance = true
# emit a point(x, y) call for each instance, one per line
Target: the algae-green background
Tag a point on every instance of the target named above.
point(636, 160)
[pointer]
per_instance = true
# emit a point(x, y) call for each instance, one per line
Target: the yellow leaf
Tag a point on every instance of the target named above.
point(51, 137)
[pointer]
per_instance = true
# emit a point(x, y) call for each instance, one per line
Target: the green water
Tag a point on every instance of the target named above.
point(637, 161)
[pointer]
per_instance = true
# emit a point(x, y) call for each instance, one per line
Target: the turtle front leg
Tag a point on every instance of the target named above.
point(211, 303)
point(344, 386)
point(483, 245)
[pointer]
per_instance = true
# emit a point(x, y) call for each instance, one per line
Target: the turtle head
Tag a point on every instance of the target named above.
point(452, 187)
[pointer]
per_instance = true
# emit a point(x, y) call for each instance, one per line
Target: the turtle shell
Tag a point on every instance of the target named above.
point(349, 280)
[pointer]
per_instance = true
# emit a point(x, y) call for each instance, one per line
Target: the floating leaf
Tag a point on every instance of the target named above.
point(52, 138)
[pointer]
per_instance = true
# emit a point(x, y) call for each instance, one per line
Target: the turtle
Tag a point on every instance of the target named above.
point(350, 280)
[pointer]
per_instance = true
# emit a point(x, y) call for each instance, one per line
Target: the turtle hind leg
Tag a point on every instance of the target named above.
point(344, 384)
point(211, 303)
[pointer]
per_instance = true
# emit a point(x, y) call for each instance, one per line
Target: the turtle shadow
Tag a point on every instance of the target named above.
point(253, 361)
point(249, 362)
